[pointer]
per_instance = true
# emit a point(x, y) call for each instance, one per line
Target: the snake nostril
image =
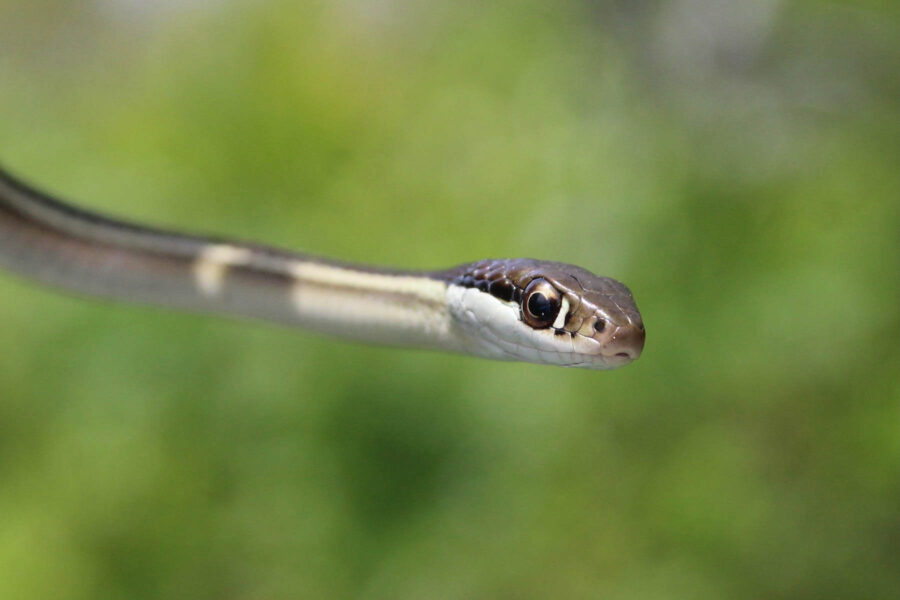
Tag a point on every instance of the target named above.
point(599, 325)
point(623, 355)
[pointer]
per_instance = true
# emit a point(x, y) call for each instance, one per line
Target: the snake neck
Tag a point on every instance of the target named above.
point(65, 247)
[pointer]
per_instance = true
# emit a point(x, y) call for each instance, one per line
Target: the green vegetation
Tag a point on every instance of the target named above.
point(736, 167)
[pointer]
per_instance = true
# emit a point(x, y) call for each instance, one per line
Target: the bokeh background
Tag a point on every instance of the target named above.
point(736, 164)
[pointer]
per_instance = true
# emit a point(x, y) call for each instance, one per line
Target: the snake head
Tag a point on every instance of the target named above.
point(546, 312)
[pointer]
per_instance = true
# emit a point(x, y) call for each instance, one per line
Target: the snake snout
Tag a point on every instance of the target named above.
point(626, 342)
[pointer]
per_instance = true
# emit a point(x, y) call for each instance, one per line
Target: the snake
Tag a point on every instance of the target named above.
point(516, 309)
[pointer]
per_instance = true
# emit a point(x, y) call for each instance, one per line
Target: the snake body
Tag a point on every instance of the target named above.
point(507, 309)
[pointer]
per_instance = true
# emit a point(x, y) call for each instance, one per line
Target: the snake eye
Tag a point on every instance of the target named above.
point(540, 304)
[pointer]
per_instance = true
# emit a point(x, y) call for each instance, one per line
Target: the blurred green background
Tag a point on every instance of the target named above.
point(736, 164)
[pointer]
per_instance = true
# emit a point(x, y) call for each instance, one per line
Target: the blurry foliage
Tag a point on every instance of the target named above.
point(734, 163)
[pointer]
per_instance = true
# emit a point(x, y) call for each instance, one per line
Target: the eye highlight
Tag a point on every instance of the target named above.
point(540, 304)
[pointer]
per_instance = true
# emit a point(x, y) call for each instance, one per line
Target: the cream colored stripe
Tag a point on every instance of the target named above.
point(330, 276)
point(213, 263)
point(381, 308)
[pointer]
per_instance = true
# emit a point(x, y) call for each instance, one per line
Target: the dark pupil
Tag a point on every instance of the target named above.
point(540, 306)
